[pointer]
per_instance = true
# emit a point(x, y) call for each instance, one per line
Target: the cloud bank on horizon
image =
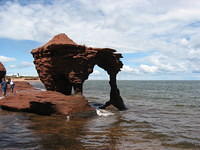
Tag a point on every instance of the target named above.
point(158, 38)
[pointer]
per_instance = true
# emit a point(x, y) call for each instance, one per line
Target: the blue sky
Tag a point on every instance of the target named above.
point(159, 39)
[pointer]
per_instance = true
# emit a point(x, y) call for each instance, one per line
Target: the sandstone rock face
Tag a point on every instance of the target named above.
point(62, 65)
point(2, 71)
point(28, 99)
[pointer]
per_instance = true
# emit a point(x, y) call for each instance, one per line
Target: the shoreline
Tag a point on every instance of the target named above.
point(24, 79)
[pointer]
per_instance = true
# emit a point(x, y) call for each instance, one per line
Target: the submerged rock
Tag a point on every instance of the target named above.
point(62, 65)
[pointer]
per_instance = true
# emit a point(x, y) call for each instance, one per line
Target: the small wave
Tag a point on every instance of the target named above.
point(91, 97)
point(41, 89)
point(185, 105)
point(183, 144)
point(104, 113)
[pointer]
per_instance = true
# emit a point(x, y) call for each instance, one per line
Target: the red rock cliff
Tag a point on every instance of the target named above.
point(2, 71)
point(62, 65)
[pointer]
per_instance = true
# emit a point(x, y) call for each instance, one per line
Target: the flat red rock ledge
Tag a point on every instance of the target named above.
point(29, 99)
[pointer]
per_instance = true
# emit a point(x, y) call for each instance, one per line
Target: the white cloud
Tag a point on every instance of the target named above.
point(184, 41)
point(26, 64)
point(98, 24)
point(127, 69)
point(96, 72)
point(23, 68)
point(6, 59)
point(21, 65)
point(99, 74)
point(12, 66)
point(148, 69)
point(167, 27)
point(163, 63)
point(140, 69)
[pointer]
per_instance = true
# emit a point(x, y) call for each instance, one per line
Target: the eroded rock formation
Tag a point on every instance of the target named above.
point(29, 99)
point(2, 71)
point(62, 65)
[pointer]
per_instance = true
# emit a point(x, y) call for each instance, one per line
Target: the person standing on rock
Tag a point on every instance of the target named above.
point(12, 85)
point(4, 86)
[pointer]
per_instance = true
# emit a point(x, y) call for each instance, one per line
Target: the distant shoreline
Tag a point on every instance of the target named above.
point(23, 78)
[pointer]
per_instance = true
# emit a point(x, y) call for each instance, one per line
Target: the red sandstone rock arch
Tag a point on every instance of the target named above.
point(63, 65)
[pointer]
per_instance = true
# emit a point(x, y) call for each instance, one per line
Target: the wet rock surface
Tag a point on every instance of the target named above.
point(28, 99)
point(63, 65)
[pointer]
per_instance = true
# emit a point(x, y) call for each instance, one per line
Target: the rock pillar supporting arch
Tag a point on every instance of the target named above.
point(110, 62)
point(115, 98)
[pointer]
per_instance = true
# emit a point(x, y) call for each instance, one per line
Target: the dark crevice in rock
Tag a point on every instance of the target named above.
point(45, 108)
point(14, 109)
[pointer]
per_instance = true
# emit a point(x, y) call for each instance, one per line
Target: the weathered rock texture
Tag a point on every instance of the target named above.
point(28, 99)
point(62, 65)
point(2, 71)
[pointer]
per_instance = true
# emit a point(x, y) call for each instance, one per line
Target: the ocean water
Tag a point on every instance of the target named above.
point(161, 115)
